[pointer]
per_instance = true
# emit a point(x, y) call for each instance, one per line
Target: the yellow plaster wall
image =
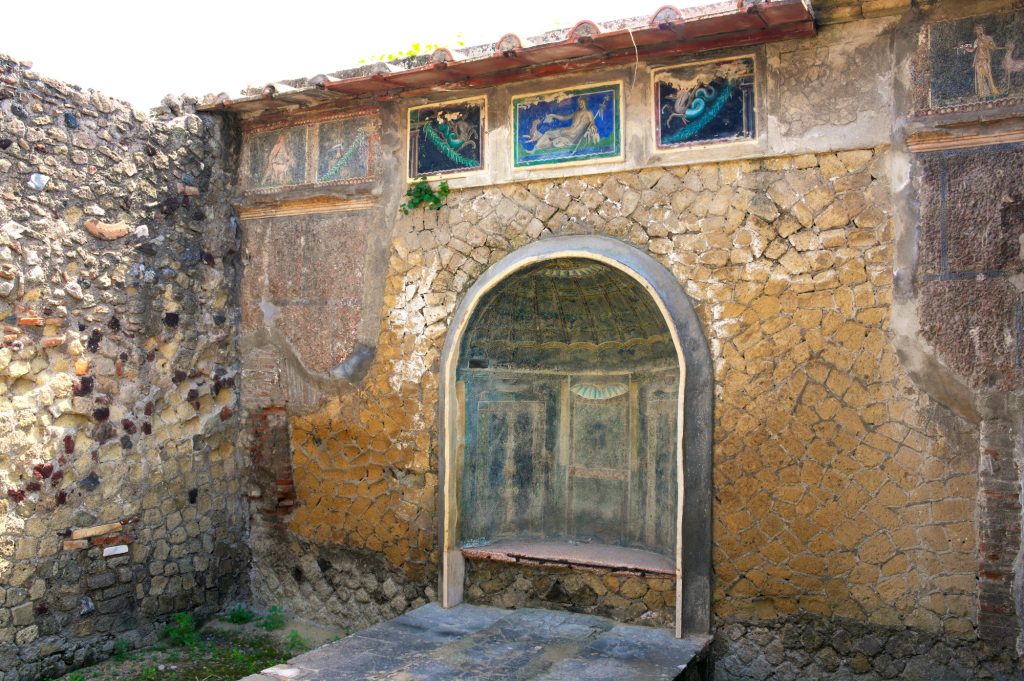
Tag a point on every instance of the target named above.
point(839, 488)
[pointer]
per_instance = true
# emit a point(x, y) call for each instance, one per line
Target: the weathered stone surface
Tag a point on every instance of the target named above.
point(108, 416)
point(624, 598)
point(835, 649)
point(487, 644)
point(828, 462)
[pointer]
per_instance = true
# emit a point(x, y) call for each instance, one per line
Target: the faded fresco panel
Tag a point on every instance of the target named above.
point(446, 139)
point(567, 126)
point(347, 149)
point(569, 399)
point(275, 158)
point(970, 267)
point(974, 62)
point(706, 102)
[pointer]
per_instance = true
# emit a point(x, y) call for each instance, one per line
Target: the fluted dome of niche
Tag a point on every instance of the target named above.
point(567, 312)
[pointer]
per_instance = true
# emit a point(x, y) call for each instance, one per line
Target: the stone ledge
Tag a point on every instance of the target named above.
point(583, 556)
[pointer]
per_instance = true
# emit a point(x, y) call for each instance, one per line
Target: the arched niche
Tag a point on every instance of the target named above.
point(487, 351)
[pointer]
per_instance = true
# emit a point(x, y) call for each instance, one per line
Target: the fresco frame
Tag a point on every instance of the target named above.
point(758, 119)
point(454, 173)
point(250, 139)
point(310, 136)
point(571, 91)
point(373, 149)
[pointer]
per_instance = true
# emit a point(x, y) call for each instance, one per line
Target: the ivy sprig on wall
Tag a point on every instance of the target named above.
point(420, 193)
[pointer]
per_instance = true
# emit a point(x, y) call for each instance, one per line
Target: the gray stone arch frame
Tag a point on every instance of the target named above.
point(695, 415)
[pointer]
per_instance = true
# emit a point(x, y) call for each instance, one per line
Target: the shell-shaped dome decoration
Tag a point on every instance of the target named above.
point(509, 42)
point(606, 391)
point(569, 303)
point(665, 15)
point(583, 30)
point(441, 55)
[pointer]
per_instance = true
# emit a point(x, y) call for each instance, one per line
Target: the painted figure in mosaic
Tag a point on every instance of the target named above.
point(279, 163)
point(582, 128)
point(459, 134)
point(982, 48)
point(446, 138)
point(1011, 65)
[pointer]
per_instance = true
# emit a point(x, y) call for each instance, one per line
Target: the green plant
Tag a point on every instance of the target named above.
point(421, 192)
point(183, 631)
point(240, 615)
point(273, 620)
point(148, 673)
point(295, 644)
point(76, 676)
point(121, 650)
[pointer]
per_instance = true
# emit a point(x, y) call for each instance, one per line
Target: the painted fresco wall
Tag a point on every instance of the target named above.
point(865, 426)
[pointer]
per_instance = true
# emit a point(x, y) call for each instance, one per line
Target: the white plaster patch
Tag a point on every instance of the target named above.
point(115, 550)
point(270, 311)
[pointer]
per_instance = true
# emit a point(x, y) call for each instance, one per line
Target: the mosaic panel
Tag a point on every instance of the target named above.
point(337, 150)
point(973, 63)
point(446, 139)
point(568, 126)
point(346, 149)
point(705, 102)
point(275, 158)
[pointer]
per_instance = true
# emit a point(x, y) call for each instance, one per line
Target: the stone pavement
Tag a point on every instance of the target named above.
point(478, 642)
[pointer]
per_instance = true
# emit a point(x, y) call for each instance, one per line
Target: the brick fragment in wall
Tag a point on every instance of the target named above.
point(261, 382)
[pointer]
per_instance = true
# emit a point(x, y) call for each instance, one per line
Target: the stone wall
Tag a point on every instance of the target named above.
point(620, 596)
point(841, 490)
point(868, 436)
point(121, 499)
point(837, 649)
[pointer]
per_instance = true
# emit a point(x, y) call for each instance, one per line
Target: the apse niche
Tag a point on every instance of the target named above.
point(568, 378)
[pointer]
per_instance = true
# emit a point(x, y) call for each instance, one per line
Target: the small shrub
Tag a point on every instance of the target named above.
point(295, 644)
point(149, 673)
point(274, 619)
point(121, 650)
point(240, 615)
point(421, 193)
point(183, 631)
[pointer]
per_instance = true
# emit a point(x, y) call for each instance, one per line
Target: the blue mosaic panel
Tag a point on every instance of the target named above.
point(446, 139)
point(567, 126)
point(704, 103)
